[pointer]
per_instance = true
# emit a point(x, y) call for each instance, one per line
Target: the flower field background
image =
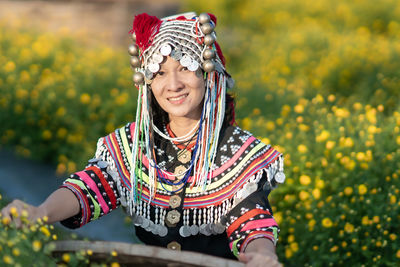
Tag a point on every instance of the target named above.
point(319, 80)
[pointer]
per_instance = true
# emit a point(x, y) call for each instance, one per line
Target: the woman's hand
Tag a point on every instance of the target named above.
point(17, 210)
point(260, 252)
point(256, 259)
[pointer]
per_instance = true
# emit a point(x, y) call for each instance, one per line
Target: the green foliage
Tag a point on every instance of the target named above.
point(320, 80)
point(57, 97)
point(317, 79)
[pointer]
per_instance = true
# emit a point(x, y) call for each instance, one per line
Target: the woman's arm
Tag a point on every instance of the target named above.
point(60, 205)
point(260, 252)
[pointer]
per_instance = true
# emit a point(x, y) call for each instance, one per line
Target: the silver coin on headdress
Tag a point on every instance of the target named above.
point(157, 58)
point(186, 61)
point(154, 67)
point(148, 74)
point(165, 50)
point(193, 66)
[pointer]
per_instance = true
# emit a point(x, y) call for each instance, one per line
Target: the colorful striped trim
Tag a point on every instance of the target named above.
point(92, 185)
point(106, 185)
point(245, 217)
point(257, 234)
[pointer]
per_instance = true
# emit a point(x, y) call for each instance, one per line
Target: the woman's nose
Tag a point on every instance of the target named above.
point(174, 82)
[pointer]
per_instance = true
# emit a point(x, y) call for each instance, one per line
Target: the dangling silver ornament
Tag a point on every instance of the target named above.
point(207, 28)
point(209, 39)
point(135, 62)
point(133, 37)
point(204, 18)
point(133, 50)
point(208, 66)
point(138, 78)
point(208, 54)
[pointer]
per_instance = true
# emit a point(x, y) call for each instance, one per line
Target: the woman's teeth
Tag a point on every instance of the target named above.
point(177, 98)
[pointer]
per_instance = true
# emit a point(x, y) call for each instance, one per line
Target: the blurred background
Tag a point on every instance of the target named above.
point(319, 80)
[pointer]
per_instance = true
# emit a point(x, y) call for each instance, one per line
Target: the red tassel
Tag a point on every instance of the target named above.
point(213, 18)
point(219, 52)
point(145, 27)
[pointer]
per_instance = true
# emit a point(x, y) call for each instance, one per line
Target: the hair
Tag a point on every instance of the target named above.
point(160, 116)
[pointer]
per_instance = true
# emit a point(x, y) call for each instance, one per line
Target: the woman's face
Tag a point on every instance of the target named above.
point(178, 91)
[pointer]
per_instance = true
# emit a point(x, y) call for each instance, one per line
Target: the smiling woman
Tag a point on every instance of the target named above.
point(187, 176)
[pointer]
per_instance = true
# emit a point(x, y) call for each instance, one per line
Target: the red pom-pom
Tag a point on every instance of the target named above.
point(145, 27)
point(213, 18)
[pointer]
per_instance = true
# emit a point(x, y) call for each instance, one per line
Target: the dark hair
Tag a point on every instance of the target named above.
point(160, 117)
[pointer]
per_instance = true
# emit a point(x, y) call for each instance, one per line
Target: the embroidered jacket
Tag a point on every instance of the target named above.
point(224, 217)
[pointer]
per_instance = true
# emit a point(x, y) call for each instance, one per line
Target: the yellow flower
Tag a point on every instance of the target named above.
point(393, 199)
point(9, 66)
point(44, 230)
point(6, 221)
point(349, 228)
point(305, 179)
point(299, 108)
point(392, 237)
point(115, 264)
point(278, 217)
point(66, 257)
point(290, 238)
point(36, 245)
point(265, 140)
point(342, 113)
point(54, 236)
point(16, 252)
point(303, 195)
point(362, 189)
point(357, 106)
point(315, 247)
point(327, 223)
point(375, 219)
point(348, 191)
point(289, 253)
point(302, 148)
point(360, 156)
point(331, 98)
point(334, 248)
point(14, 212)
point(114, 253)
point(365, 220)
point(330, 144)
point(323, 136)
point(8, 260)
point(89, 252)
point(85, 98)
point(320, 183)
point(46, 135)
point(294, 246)
point(344, 244)
point(311, 223)
point(316, 193)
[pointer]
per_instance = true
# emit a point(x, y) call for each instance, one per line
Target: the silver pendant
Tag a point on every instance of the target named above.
point(162, 231)
point(194, 229)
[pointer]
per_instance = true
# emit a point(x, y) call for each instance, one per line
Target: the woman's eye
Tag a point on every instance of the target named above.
point(160, 73)
point(184, 69)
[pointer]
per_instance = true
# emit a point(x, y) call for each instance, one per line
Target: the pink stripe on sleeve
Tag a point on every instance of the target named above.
point(259, 224)
point(85, 177)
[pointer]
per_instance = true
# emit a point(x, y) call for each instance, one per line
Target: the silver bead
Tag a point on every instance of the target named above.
point(207, 28)
point(133, 37)
point(135, 62)
point(133, 50)
point(208, 66)
point(138, 78)
point(204, 18)
point(209, 39)
point(209, 54)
